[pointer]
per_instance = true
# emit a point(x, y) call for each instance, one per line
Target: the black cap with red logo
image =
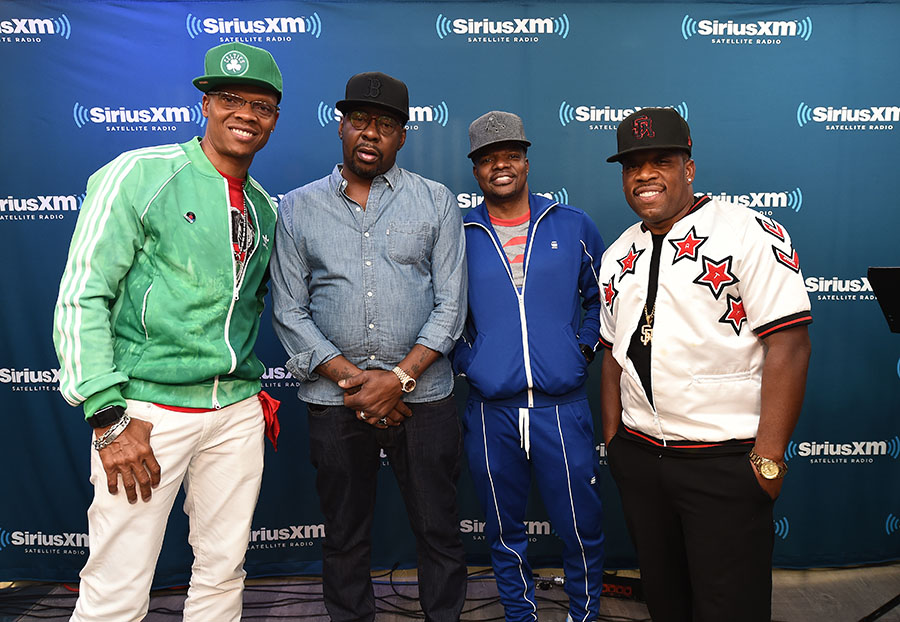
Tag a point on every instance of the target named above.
point(652, 128)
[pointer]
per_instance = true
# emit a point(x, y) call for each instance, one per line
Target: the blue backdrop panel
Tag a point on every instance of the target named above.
point(795, 111)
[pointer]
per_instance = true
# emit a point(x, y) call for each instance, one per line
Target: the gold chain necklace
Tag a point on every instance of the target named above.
point(647, 329)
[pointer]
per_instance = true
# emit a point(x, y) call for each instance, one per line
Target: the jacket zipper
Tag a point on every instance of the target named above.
point(144, 312)
point(520, 297)
point(235, 295)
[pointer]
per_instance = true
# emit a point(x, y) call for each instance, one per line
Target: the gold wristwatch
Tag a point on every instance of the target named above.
point(769, 469)
point(407, 382)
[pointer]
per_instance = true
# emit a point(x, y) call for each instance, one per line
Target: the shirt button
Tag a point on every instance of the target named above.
point(368, 263)
point(366, 234)
point(358, 209)
point(371, 357)
point(371, 326)
point(369, 294)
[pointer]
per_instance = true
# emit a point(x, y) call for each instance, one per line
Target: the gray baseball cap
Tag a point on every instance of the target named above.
point(496, 127)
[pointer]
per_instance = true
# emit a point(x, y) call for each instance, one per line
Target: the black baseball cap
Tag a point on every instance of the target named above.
point(652, 128)
point(374, 88)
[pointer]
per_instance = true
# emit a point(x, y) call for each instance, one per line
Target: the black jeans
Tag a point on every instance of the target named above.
point(425, 456)
point(703, 530)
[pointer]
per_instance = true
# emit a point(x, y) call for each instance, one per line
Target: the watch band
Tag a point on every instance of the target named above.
point(588, 352)
point(769, 469)
point(407, 382)
point(106, 416)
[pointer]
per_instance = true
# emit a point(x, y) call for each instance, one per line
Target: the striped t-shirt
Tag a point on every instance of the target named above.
point(513, 234)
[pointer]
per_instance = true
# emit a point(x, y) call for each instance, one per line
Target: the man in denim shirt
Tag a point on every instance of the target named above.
point(369, 291)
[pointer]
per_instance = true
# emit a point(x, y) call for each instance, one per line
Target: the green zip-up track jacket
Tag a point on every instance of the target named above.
point(149, 306)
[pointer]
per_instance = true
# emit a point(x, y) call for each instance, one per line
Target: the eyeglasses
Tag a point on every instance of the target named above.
point(386, 125)
point(230, 101)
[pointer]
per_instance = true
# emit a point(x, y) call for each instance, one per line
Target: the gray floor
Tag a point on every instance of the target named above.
point(821, 595)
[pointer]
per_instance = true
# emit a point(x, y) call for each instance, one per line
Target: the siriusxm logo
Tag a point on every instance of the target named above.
point(291, 532)
point(39, 538)
point(782, 528)
point(854, 451)
point(792, 199)
point(532, 527)
point(835, 289)
point(156, 116)
point(29, 29)
point(595, 114)
point(516, 30)
point(276, 373)
point(834, 284)
point(280, 27)
point(439, 114)
point(774, 30)
point(42, 203)
point(10, 375)
point(843, 118)
point(30, 380)
point(891, 524)
point(466, 201)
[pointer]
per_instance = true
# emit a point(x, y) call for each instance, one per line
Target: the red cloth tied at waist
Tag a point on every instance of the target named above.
point(270, 412)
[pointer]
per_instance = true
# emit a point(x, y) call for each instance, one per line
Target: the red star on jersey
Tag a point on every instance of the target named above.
point(792, 261)
point(629, 261)
point(735, 316)
point(688, 246)
point(610, 292)
point(771, 227)
point(716, 275)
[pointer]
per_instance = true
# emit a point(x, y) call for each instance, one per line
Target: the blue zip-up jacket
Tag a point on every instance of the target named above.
point(522, 349)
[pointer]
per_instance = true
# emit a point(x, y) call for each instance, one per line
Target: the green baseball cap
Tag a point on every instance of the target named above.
point(239, 63)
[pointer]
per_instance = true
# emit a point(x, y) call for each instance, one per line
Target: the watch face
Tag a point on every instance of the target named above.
point(769, 470)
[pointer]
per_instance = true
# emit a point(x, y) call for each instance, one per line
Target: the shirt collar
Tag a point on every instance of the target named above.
point(699, 201)
point(338, 183)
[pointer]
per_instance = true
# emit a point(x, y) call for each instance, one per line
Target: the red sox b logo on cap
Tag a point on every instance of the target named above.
point(374, 88)
point(643, 127)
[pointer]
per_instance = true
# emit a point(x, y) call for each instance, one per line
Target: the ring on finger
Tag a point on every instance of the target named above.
point(362, 416)
point(383, 421)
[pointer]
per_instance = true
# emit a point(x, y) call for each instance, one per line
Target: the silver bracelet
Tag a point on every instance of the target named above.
point(112, 433)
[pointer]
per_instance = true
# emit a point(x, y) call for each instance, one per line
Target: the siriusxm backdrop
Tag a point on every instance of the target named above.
point(795, 111)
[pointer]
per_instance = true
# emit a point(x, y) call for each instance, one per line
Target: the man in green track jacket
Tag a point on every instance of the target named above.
point(157, 316)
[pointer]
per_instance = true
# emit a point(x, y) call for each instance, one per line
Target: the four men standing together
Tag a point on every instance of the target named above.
point(381, 293)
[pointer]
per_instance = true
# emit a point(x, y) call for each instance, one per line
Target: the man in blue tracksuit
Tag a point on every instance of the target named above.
point(533, 265)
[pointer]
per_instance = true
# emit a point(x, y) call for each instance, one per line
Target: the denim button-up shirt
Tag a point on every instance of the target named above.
point(368, 283)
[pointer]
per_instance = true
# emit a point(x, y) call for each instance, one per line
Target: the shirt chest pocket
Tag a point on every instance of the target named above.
point(408, 242)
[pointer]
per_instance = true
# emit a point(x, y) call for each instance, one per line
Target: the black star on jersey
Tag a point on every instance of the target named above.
point(629, 261)
point(610, 292)
point(688, 246)
point(735, 316)
point(771, 227)
point(716, 275)
point(792, 261)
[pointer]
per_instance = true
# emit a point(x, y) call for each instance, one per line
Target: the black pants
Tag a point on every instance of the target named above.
point(703, 530)
point(425, 456)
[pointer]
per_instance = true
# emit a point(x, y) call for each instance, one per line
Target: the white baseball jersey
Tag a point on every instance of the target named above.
point(727, 278)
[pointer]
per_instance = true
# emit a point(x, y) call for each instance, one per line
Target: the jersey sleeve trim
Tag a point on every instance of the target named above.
point(797, 319)
point(604, 343)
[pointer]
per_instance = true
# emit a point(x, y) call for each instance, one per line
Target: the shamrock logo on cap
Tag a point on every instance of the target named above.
point(234, 63)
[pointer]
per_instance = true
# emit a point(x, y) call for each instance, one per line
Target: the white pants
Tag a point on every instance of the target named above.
point(218, 456)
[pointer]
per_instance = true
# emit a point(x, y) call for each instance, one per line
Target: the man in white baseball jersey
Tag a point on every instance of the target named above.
point(704, 323)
